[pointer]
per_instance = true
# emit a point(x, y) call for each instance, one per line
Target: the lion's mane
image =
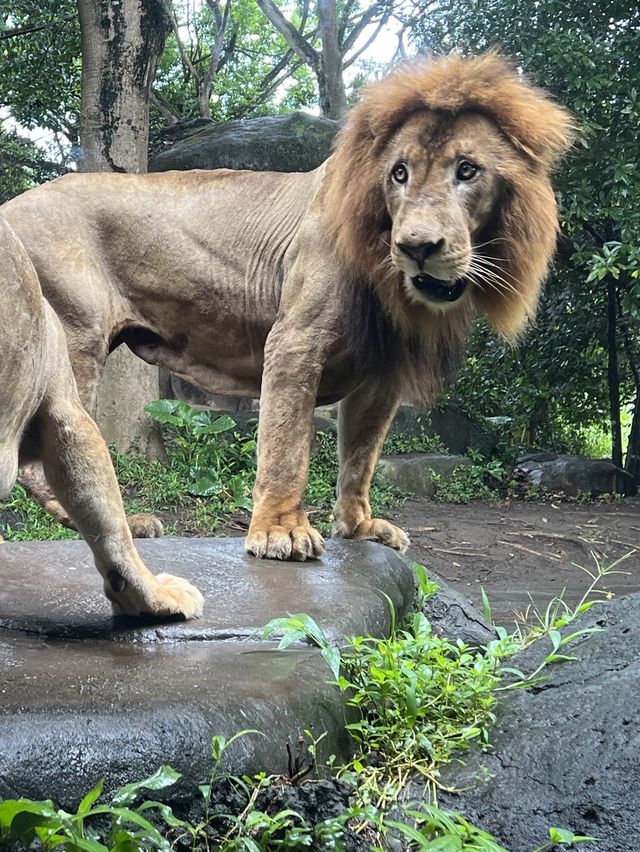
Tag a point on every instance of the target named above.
point(358, 224)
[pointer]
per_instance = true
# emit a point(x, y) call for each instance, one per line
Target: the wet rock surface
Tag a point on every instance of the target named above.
point(53, 589)
point(566, 752)
point(84, 695)
point(453, 615)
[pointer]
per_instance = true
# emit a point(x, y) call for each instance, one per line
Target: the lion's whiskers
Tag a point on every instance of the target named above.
point(485, 268)
point(490, 242)
point(391, 269)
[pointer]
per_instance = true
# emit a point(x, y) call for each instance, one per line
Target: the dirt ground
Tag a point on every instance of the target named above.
point(521, 552)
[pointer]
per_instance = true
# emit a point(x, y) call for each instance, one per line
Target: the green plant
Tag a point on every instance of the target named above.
point(478, 481)
point(256, 828)
point(25, 822)
point(214, 466)
point(295, 628)
point(32, 521)
point(562, 837)
point(431, 826)
point(533, 625)
point(397, 443)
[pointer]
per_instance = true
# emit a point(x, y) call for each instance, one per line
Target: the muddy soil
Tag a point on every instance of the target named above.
point(524, 553)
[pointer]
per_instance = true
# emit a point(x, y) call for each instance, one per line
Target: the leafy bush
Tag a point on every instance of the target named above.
point(214, 466)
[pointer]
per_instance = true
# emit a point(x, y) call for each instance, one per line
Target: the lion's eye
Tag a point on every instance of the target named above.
point(400, 173)
point(466, 170)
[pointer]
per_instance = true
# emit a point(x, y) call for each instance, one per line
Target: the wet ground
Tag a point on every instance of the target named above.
point(523, 552)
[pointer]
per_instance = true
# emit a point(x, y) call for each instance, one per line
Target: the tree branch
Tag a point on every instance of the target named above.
point(34, 28)
point(344, 20)
point(163, 107)
point(291, 35)
point(365, 19)
point(184, 56)
point(266, 92)
point(367, 43)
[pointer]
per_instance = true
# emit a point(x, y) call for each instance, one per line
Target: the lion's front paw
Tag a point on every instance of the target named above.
point(176, 596)
point(377, 530)
point(166, 596)
point(279, 542)
point(145, 526)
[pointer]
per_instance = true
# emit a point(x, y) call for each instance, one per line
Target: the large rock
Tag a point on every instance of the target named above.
point(85, 695)
point(457, 430)
point(418, 473)
point(296, 142)
point(454, 616)
point(570, 474)
point(566, 752)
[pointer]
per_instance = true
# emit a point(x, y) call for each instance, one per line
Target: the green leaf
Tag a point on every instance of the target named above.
point(90, 798)
point(332, 657)
point(165, 776)
point(486, 606)
point(205, 486)
point(564, 836)
point(10, 807)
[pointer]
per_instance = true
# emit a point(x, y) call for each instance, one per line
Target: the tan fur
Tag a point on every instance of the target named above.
point(301, 287)
point(41, 414)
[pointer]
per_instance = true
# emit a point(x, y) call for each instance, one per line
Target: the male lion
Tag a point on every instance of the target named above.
point(41, 414)
point(356, 282)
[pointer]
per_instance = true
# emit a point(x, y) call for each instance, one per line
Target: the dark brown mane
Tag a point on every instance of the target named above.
point(358, 224)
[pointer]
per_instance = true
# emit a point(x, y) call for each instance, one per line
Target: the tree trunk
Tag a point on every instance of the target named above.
point(121, 43)
point(632, 461)
point(333, 98)
point(613, 375)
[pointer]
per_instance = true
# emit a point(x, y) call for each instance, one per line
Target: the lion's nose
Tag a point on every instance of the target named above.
point(419, 252)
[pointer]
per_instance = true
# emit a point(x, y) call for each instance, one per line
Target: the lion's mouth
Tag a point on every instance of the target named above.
point(440, 291)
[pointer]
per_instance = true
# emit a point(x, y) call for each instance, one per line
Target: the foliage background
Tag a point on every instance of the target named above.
point(574, 379)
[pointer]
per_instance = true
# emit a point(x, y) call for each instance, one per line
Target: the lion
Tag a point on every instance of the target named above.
point(41, 415)
point(355, 282)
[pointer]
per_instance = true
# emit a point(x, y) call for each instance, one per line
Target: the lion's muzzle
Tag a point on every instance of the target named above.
point(437, 290)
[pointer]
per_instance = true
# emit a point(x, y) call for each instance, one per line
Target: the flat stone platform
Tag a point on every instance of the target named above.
point(85, 695)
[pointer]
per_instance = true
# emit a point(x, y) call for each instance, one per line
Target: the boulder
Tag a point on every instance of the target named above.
point(86, 695)
point(457, 430)
point(295, 142)
point(455, 617)
point(570, 474)
point(566, 751)
point(414, 473)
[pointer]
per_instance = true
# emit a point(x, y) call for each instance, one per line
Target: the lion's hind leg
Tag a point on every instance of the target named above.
point(34, 481)
point(77, 465)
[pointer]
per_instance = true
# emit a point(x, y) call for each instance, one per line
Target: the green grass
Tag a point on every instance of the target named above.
point(28, 521)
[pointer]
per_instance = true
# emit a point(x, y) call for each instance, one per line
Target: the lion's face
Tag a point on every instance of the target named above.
point(442, 184)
